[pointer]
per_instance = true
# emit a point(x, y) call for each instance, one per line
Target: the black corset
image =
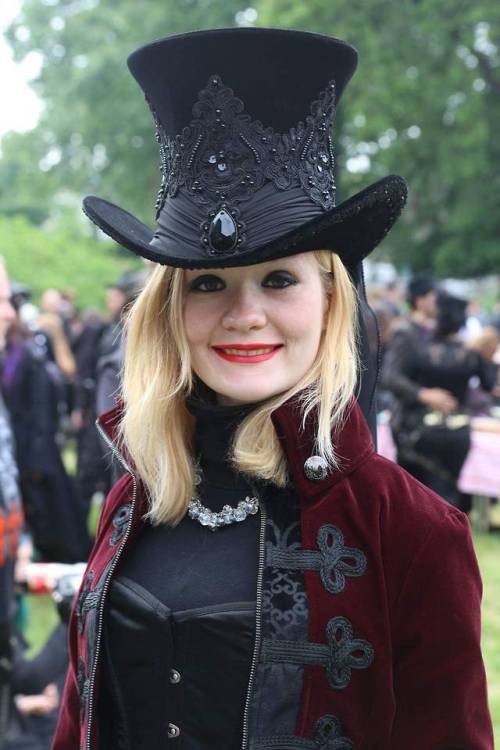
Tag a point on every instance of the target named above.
point(181, 675)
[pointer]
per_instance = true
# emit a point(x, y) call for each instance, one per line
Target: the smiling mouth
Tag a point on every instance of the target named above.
point(247, 352)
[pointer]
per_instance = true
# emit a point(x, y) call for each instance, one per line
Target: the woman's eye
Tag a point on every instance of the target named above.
point(279, 280)
point(206, 283)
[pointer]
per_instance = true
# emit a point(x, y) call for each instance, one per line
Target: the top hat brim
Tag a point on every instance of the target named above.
point(352, 230)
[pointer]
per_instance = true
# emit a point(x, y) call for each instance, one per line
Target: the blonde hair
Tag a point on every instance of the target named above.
point(157, 429)
point(52, 325)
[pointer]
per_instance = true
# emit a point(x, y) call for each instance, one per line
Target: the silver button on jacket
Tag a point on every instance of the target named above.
point(173, 731)
point(315, 468)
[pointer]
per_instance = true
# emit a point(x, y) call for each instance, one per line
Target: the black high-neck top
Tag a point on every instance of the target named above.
point(204, 567)
point(184, 600)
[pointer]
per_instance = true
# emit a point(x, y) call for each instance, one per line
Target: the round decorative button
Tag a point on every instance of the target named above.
point(315, 468)
point(175, 676)
point(173, 731)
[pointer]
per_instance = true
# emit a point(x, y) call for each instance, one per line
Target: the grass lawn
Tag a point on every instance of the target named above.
point(488, 552)
point(43, 617)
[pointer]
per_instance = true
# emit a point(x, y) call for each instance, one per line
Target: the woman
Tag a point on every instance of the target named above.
point(31, 385)
point(433, 444)
point(261, 578)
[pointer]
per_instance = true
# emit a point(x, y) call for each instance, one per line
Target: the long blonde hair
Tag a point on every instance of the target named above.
point(157, 429)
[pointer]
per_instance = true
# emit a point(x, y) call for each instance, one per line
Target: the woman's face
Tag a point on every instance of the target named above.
point(254, 331)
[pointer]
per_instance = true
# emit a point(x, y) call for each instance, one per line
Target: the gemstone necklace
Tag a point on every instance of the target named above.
point(228, 515)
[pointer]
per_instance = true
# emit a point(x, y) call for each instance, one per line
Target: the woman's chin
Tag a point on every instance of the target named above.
point(245, 394)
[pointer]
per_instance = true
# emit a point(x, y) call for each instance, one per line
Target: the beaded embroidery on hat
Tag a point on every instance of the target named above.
point(223, 158)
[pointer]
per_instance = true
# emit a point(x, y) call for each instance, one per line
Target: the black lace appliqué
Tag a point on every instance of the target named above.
point(284, 599)
point(87, 599)
point(223, 158)
point(83, 687)
point(120, 523)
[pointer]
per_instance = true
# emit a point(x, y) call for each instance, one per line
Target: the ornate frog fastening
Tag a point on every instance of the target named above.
point(328, 734)
point(338, 561)
point(346, 652)
point(342, 654)
point(334, 561)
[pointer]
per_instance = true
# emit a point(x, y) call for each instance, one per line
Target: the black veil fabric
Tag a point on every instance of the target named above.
point(369, 351)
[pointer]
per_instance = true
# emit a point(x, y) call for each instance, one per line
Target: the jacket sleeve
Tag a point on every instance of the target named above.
point(67, 735)
point(440, 682)
point(396, 368)
point(487, 372)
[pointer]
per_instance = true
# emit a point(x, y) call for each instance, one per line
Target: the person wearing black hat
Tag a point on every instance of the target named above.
point(119, 296)
point(261, 578)
point(433, 429)
point(409, 341)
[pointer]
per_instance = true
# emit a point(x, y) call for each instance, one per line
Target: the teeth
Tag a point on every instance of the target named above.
point(248, 352)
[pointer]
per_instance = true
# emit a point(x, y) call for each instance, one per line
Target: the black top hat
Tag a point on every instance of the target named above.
point(419, 285)
point(243, 120)
point(130, 282)
point(451, 313)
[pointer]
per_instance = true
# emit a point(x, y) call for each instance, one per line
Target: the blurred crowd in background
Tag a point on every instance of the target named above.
point(60, 368)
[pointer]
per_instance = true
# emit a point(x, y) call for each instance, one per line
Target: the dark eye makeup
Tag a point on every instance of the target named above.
point(212, 283)
point(206, 283)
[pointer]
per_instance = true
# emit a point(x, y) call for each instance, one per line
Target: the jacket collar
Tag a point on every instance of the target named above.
point(352, 441)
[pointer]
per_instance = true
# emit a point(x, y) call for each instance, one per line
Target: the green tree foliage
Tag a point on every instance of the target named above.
point(424, 103)
point(97, 130)
point(61, 258)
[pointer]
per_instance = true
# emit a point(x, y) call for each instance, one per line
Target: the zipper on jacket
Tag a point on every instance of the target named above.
point(127, 468)
point(258, 624)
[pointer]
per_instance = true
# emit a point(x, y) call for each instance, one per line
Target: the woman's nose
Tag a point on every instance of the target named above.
point(244, 313)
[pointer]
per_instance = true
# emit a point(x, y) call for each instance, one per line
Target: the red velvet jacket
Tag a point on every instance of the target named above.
point(390, 658)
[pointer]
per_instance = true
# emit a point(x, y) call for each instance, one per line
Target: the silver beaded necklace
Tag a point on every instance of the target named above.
point(228, 515)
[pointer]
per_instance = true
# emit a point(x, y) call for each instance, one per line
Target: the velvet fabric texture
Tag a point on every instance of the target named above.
point(416, 603)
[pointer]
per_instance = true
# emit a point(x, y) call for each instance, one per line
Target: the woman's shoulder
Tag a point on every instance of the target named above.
point(404, 502)
point(419, 537)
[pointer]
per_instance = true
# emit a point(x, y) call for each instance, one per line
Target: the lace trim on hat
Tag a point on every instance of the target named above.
point(225, 156)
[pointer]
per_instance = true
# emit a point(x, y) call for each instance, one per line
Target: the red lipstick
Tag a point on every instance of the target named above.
point(229, 352)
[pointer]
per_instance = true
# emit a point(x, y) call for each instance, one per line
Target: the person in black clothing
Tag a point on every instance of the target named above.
point(30, 386)
point(11, 520)
point(430, 423)
point(92, 474)
point(109, 363)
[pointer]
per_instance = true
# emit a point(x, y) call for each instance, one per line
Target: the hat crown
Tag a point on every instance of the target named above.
point(276, 72)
